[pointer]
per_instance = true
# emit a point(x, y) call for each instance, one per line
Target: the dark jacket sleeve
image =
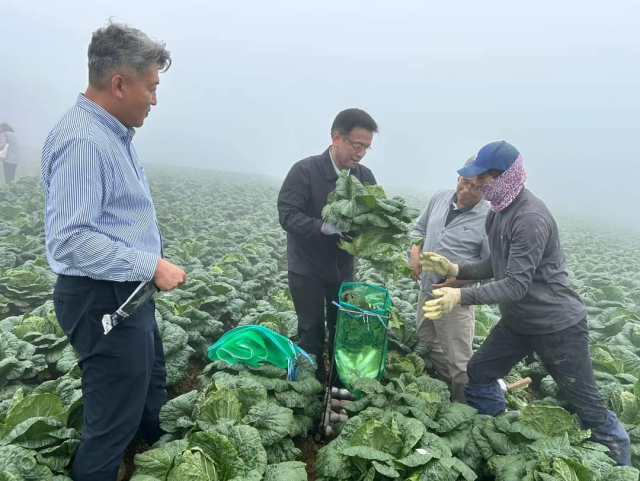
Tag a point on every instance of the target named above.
point(530, 235)
point(476, 271)
point(372, 179)
point(293, 199)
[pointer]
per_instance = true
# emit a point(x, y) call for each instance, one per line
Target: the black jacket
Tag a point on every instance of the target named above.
point(302, 196)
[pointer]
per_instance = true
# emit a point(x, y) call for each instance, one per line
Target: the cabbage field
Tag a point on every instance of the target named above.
point(237, 423)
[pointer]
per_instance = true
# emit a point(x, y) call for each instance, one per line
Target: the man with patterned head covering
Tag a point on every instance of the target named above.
point(541, 313)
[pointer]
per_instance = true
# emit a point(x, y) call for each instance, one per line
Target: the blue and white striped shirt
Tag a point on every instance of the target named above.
point(100, 221)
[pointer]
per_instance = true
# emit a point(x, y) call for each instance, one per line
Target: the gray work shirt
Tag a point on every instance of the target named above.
point(530, 270)
point(464, 238)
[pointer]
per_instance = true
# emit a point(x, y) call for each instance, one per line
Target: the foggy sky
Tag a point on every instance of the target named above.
point(255, 85)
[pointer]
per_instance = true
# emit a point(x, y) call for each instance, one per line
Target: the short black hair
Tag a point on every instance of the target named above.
point(495, 173)
point(349, 119)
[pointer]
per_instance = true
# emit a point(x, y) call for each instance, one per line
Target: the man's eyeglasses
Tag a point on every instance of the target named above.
point(357, 145)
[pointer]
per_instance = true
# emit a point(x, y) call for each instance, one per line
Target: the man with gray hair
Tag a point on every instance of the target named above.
point(453, 222)
point(102, 239)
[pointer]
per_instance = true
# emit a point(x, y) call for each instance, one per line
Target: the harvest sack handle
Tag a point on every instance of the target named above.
point(361, 312)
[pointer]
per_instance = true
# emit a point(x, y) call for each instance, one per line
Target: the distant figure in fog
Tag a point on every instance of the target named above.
point(11, 157)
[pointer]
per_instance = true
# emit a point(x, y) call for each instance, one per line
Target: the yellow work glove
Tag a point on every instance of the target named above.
point(432, 262)
point(447, 299)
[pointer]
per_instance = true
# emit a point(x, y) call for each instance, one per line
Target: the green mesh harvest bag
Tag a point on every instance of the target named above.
point(254, 345)
point(360, 348)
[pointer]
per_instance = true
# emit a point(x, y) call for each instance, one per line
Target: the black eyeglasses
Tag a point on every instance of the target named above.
point(358, 145)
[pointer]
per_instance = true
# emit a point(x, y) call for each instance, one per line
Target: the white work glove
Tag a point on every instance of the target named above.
point(329, 229)
point(447, 299)
point(432, 262)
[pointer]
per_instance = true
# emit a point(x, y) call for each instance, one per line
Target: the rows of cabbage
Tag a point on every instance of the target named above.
point(235, 258)
point(236, 271)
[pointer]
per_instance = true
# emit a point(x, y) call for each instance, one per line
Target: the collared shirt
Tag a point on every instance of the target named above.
point(455, 211)
point(100, 221)
point(335, 166)
point(462, 239)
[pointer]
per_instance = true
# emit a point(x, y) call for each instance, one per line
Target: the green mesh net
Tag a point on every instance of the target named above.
point(361, 333)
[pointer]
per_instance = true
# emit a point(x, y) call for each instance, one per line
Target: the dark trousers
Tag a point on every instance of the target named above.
point(565, 354)
point(9, 171)
point(123, 373)
point(312, 299)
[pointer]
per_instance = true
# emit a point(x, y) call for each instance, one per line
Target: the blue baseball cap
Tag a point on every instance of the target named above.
point(497, 155)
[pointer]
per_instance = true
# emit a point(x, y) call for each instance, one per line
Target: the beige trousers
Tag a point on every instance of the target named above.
point(451, 339)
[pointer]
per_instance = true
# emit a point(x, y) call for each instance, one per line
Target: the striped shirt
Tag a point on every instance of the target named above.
point(100, 221)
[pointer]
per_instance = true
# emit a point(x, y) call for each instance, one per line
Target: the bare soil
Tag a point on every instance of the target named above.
point(309, 447)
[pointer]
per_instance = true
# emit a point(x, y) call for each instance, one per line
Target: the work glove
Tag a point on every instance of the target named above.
point(329, 229)
point(432, 262)
point(447, 299)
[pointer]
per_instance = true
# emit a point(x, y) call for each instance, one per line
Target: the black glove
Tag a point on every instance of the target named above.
point(346, 236)
point(328, 229)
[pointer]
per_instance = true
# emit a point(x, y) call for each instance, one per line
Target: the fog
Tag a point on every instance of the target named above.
point(255, 85)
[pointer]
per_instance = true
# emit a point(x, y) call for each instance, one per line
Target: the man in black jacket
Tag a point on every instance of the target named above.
point(317, 266)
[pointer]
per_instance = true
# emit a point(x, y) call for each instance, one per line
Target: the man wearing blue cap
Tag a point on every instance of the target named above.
point(540, 311)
